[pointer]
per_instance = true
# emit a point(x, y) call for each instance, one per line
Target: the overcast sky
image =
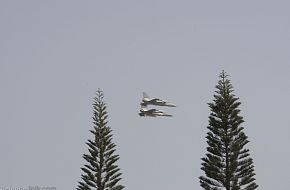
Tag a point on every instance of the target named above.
point(54, 55)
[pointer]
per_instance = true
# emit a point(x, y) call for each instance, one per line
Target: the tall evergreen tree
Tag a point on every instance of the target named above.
point(101, 171)
point(227, 164)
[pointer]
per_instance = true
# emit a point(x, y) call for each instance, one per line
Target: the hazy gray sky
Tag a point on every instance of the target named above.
point(54, 55)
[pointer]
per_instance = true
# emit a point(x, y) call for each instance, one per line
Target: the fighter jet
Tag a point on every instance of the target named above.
point(152, 112)
point(155, 101)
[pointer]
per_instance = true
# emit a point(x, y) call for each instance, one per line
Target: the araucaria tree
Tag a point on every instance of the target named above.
point(101, 171)
point(227, 164)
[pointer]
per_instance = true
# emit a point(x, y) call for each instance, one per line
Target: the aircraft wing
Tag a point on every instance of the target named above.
point(156, 100)
point(153, 111)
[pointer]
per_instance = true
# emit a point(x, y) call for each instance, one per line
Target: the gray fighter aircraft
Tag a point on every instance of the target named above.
point(155, 101)
point(152, 113)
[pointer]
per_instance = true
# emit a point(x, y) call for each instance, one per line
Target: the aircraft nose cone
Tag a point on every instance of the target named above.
point(171, 105)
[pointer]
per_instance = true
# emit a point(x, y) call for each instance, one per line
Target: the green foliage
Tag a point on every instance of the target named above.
point(101, 172)
point(227, 164)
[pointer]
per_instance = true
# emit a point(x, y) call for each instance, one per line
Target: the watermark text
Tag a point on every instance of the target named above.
point(32, 187)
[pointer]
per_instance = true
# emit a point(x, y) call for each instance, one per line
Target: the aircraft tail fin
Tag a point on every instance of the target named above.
point(145, 95)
